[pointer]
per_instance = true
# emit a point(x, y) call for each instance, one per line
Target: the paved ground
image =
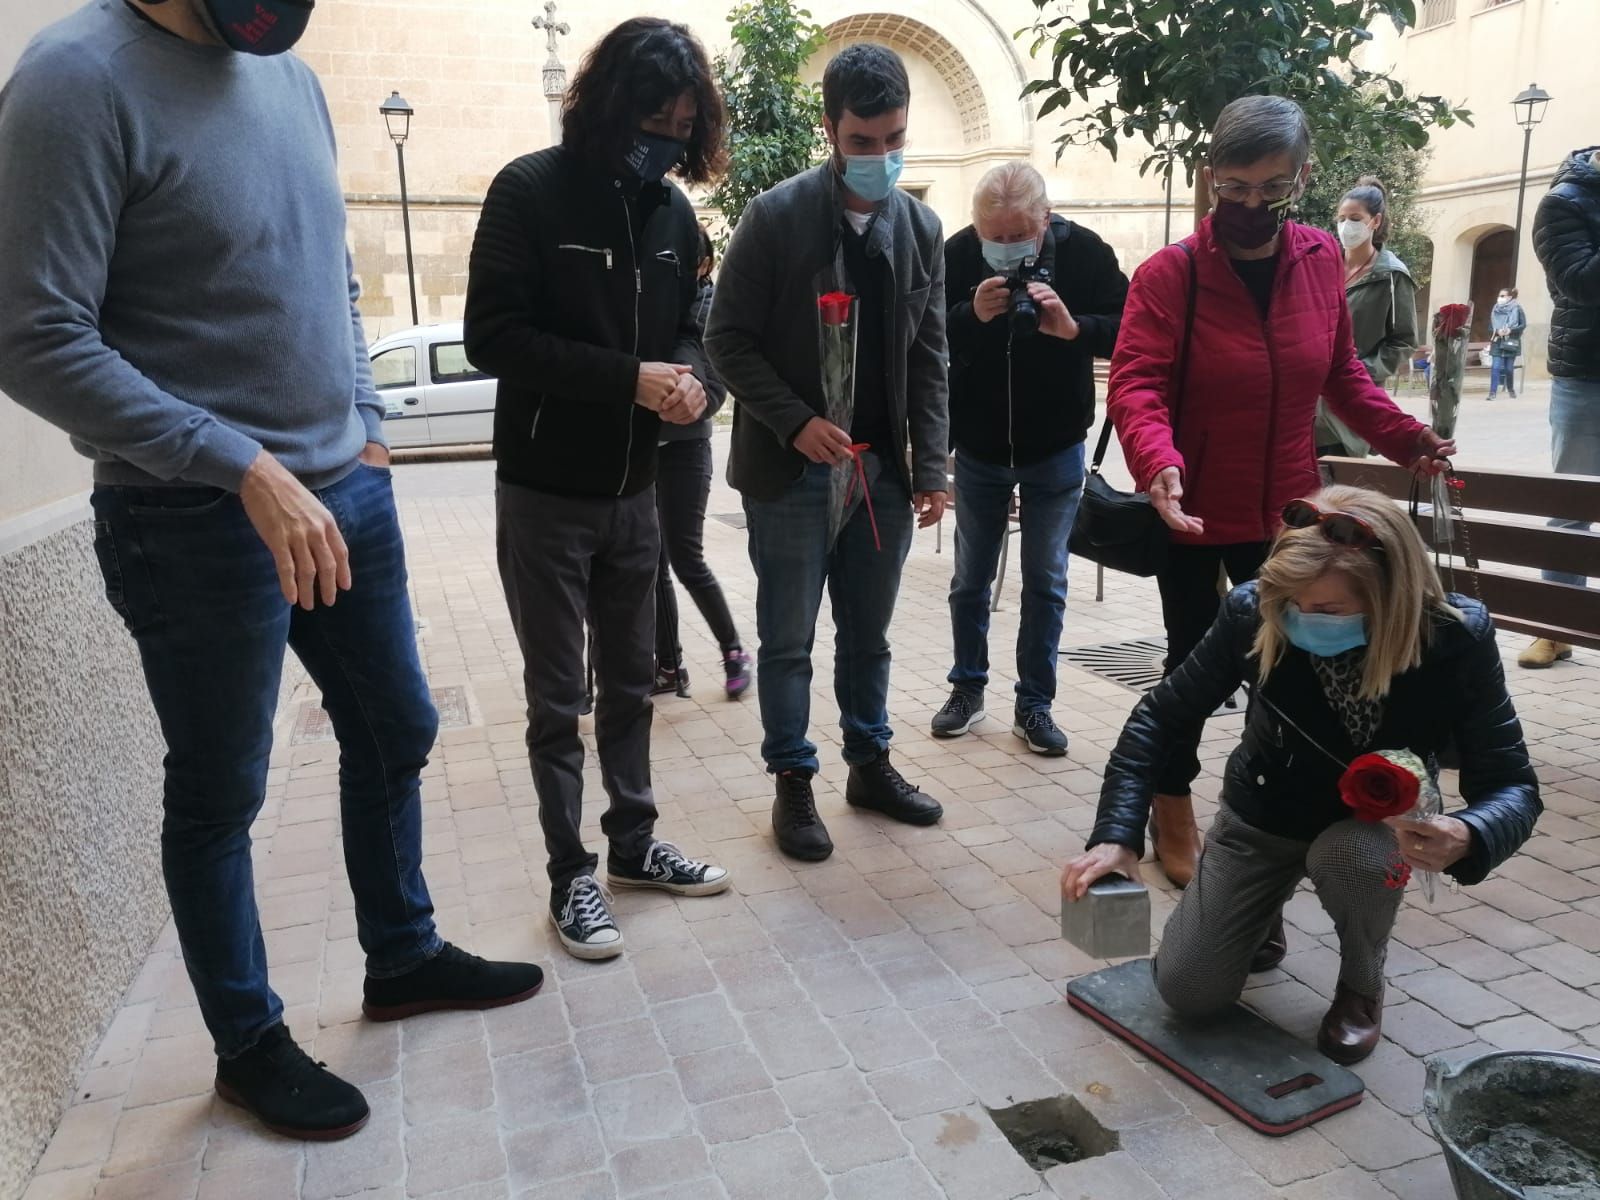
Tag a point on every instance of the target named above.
point(830, 1030)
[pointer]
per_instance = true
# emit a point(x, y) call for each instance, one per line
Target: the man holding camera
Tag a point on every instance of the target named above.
point(1033, 299)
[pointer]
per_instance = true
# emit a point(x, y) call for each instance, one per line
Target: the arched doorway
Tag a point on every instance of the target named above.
point(1491, 271)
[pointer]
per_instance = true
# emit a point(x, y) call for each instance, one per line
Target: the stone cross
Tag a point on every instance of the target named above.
point(552, 29)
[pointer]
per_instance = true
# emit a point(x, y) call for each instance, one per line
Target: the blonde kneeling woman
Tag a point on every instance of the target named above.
point(1353, 646)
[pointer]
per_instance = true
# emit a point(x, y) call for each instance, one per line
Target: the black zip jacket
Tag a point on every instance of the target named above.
point(1566, 237)
point(1016, 401)
point(1282, 783)
point(576, 277)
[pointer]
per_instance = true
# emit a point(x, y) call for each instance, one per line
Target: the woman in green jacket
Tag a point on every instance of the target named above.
point(1383, 303)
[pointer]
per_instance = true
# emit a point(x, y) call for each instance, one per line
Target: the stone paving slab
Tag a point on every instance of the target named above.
point(831, 1030)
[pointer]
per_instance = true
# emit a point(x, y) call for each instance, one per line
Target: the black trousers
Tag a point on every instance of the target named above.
point(565, 560)
point(1190, 601)
point(683, 484)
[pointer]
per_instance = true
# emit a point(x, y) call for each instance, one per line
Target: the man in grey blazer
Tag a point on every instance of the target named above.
point(830, 493)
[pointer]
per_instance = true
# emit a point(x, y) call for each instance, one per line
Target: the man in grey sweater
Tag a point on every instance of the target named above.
point(829, 494)
point(175, 293)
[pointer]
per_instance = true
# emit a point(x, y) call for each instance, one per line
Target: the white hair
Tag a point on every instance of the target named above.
point(1011, 187)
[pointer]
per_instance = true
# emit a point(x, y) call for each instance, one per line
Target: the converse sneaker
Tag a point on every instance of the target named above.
point(1038, 728)
point(451, 979)
point(289, 1092)
point(737, 665)
point(665, 868)
point(960, 713)
point(580, 914)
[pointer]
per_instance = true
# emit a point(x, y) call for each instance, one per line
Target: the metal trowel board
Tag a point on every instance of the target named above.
point(1270, 1080)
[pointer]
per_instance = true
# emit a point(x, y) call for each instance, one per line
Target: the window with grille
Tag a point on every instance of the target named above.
point(1435, 12)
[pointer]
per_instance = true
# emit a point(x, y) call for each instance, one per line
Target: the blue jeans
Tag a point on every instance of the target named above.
point(197, 588)
point(1050, 491)
point(1574, 444)
point(1502, 367)
point(789, 550)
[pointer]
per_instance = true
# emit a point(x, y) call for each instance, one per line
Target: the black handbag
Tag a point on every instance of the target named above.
point(1123, 530)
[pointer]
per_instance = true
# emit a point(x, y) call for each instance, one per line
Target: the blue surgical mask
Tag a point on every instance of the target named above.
point(1008, 256)
point(873, 176)
point(1325, 635)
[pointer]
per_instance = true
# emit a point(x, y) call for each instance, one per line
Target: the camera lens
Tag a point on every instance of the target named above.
point(1024, 314)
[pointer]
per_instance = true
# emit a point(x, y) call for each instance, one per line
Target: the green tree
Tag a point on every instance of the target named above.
point(1399, 168)
point(1133, 66)
point(774, 120)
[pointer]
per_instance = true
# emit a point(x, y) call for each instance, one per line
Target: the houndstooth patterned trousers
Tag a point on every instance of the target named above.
point(1244, 879)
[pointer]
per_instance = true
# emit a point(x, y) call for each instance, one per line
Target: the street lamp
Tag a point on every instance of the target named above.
point(1529, 107)
point(1170, 116)
point(397, 116)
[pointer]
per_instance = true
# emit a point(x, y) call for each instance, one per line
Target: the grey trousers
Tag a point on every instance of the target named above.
point(1244, 879)
point(564, 559)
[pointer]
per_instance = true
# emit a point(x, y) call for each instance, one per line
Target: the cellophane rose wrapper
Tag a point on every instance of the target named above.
point(1393, 783)
point(836, 351)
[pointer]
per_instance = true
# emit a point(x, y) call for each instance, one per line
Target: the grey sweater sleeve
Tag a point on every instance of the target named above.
point(63, 174)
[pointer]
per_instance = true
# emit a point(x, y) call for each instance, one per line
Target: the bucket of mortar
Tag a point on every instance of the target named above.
point(1519, 1124)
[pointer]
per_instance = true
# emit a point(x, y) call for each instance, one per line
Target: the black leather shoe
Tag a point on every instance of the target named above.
point(878, 786)
point(289, 1092)
point(1272, 950)
point(795, 823)
point(1350, 1031)
point(451, 979)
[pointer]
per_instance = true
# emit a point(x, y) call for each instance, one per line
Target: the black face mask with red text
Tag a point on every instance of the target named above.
point(257, 26)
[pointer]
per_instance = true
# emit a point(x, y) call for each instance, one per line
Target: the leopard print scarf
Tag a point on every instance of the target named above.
point(1340, 677)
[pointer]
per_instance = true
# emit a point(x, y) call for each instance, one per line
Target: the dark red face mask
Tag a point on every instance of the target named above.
point(1249, 228)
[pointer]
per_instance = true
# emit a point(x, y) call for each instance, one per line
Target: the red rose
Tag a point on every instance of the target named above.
point(835, 307)
point(1451, 319)
point(1375, 787)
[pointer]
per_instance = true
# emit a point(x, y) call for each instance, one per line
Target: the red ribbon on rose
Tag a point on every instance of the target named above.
point(834, 307)
point(1375, 786)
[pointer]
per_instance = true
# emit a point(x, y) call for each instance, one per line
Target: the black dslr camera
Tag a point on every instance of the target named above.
point(1024, 309)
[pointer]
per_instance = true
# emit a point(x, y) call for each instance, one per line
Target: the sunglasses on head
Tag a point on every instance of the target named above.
point(1340, 528)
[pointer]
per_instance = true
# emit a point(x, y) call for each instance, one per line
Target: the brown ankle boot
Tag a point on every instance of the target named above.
point(1350, 1031)
point(1177, 841)
point(1272, 951)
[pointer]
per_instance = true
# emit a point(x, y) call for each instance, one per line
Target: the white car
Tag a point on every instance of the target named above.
point(432, 395)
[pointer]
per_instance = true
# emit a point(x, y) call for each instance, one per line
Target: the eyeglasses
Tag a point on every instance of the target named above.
point(1340, 528)
point(1274, 191)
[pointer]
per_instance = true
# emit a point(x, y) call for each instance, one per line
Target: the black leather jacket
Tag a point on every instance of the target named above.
point(1282, 783)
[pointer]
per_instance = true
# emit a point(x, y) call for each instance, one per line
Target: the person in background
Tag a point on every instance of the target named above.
point(1566, 237)
point(152, 276)
point(840, 226)
point(1354, 648)
point(1021, 403)
point(580, 300)
point(1382, 300)
point(683, 485)
point(1223, 439)
point(1506, 323)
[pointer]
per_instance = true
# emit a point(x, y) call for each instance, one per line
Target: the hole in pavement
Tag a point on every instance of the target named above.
point(1050, 1132)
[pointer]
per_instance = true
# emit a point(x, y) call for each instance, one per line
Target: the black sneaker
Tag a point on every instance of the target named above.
point(795, 823)
point(1038, 728)
point(580, 914)
point(670, 681)
point(587, 706)
point(289, 1092)
point(451, 979)
point(878, 786)
point(960, 713)
point(665, 868)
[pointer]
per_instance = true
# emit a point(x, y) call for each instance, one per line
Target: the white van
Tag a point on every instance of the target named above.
point(432, 395)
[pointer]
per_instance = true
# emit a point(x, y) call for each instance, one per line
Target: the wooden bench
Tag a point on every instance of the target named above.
point(1521, 602)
